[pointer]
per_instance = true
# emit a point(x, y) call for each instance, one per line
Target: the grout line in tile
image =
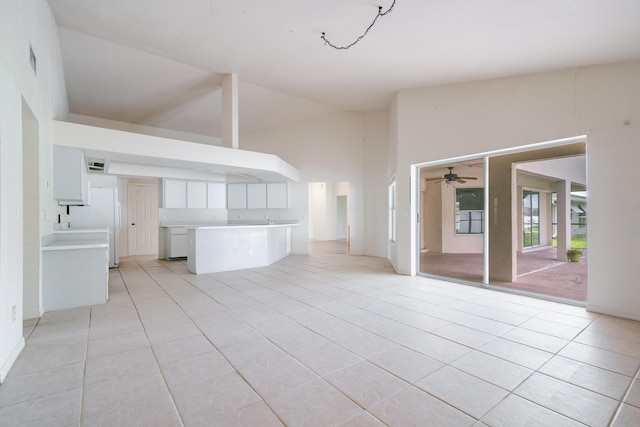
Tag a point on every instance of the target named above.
point(84, 368)
point(171, 398)
point(257, 275)
point(322, 377)
point(624, 397)
point(210, 342)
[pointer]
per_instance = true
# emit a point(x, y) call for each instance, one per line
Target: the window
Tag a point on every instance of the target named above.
point(469, 210)
point(530, 218)
point(392, 211)
point(582, 216)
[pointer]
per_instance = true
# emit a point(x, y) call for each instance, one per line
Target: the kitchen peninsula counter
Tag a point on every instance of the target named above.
point(234, 246)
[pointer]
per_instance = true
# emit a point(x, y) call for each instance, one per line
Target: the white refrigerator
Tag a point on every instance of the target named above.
point(104, 211)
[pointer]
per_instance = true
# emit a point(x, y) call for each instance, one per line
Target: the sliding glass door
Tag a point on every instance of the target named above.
point(495, 221)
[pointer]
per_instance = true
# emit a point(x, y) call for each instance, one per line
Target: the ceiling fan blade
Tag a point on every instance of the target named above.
point(460, 180)
point(467, 177)
point(433, 179)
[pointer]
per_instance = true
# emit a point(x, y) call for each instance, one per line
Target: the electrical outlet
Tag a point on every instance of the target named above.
point(14, 312)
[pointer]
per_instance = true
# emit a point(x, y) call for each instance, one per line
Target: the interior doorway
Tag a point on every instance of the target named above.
point(31, 276)
point(329, 217)
point(534, 209)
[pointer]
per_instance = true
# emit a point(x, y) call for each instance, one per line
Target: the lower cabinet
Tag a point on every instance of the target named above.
point(74, 277)
point(175, 244)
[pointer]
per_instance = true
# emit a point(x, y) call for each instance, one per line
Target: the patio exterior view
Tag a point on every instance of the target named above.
point(537, 211)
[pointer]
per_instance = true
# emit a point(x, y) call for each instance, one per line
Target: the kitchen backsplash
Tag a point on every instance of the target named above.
point(223, 215)
point(260, 214)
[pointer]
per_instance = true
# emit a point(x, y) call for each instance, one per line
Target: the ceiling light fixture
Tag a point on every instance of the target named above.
point(345, 47)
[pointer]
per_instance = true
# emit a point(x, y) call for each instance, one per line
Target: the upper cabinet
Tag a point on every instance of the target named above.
point(70, 176)
point(256, 196)
point(216, 195)
point(196, 194)
point(182, 194)
point(236, 196)
point(277, 197)
point(175, 193)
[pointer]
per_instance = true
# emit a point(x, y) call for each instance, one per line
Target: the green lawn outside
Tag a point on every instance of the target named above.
point(577, 242)
point(529, 233)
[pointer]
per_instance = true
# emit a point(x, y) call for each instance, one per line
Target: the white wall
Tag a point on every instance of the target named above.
point(324, 149)
point(317, 211)
point(349, 147)
point(600, 101)
point(145, 130)
point(376, 158)
point(24, 23)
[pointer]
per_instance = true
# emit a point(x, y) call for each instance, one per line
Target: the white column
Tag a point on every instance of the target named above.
point(564, 219)
point(230, 111)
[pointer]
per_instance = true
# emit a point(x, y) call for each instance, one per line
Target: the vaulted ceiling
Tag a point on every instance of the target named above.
point(160, 62)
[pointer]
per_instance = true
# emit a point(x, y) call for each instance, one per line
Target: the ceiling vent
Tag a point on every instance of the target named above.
point(95, 165)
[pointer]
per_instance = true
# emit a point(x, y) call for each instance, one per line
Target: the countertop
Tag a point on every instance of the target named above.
point(76, 238)
point(172, 224)
point(229, 224)
point(81, 230)
point(61, 245)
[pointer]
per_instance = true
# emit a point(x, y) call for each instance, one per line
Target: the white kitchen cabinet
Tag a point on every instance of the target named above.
point(277, 195)
point(70, 176)
point(75, 273)
point(175, 242)
point(196, 194)
point(175, 193)
point(216, 195)
point(237, 196)
point(256, 196)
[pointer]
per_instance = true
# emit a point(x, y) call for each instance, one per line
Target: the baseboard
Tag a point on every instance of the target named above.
point(11, 359)
point(609, 312)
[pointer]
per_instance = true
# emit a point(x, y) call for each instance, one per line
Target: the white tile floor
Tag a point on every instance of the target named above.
point(321, 340)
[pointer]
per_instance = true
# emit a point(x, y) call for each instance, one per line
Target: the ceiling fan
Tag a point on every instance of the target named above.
point(451, 177)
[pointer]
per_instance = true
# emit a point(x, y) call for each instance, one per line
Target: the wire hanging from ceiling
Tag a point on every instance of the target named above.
point(345, 47)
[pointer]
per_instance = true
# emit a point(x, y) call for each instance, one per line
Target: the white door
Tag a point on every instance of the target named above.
point(143, 219)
